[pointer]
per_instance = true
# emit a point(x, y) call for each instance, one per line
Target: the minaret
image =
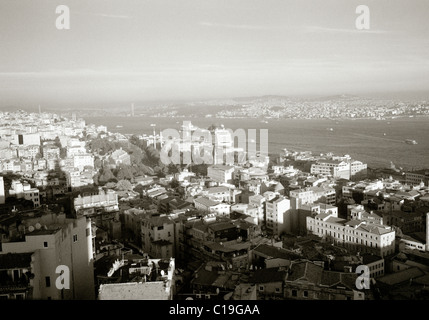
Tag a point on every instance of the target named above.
point(154, 135)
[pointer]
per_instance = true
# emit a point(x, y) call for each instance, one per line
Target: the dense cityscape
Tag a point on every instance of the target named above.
point(88, 214)
point(272, 107)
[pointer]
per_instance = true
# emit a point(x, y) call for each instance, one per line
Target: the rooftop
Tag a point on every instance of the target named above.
point(275, 252)
point(155, 290)
point(221, 225)
point(205, 202)
point(400, 277)
point(217, 189)
point(221, 167)
point(305, 270)
point(334, 278)
point(370, 258)
point(268, 275)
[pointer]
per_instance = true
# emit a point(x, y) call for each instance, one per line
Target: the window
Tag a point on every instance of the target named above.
point(75, 238)
point(305, 293)
point(294, 293)
point(47, 282)
point(261, 288)
point(45, 244)
point(278, 290)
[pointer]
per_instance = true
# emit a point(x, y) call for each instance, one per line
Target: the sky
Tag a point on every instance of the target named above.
point(143, 50)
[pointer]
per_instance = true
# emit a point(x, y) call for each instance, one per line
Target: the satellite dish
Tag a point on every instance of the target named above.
point(38, 226)
point(217, 290)
point(162, 273)
point(31, 228)
point(189, 298)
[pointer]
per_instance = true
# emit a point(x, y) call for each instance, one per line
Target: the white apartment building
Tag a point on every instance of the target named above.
point(353, 234)
point(206, 205)
point(358, 167)
point(332, 168)
point(278, 216)
point(83, 160)
point(221, 173)
point(106, 200)
point(218, 194)
point(66, 242)
point(310, 195)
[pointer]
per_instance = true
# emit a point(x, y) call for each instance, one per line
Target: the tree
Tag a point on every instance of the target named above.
point(106, 175)
point(124, 172)
point(124, 185)
point(174, 183)
point(98, 163)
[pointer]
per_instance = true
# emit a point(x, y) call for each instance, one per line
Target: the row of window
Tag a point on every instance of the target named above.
point(45, 243)
point(347, 238)
point(326, 225)
point(17, 296)
point(376, 266)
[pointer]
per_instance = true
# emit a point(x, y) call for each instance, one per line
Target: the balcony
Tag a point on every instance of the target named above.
point(7, 284)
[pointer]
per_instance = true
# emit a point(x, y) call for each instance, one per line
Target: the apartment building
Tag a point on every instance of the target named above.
point(158, 236)
point(355, 235)
point(308, 195)
point(221, 173)
point(54, 240)
point(278, 216)
point(332, 168)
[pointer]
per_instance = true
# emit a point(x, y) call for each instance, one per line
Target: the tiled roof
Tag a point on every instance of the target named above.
point(268, 275)
point(305, 271)
point(370, 258)
point(205, 202)
point(217, 189)
point(336, 220)
point(204, 277)
point(375, 229)
point(401, 276)
point(275, 252)
point(217, 226)
point(334, 278)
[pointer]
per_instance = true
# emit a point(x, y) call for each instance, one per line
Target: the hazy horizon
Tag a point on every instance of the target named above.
point(119, 52)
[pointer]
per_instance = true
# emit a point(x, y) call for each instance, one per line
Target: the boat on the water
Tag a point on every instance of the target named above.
point(410, 141)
